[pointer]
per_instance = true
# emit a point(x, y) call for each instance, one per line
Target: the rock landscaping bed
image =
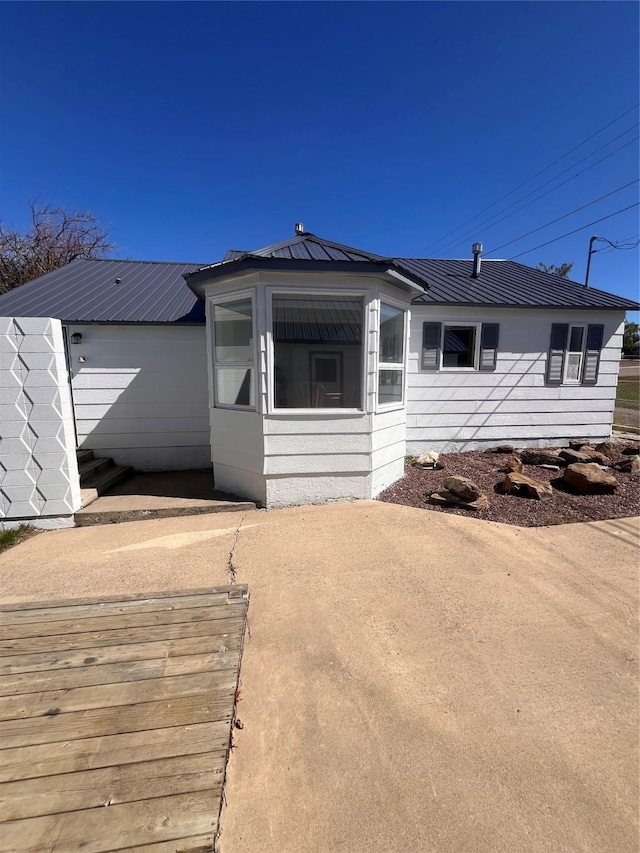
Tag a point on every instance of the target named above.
point(532, 487)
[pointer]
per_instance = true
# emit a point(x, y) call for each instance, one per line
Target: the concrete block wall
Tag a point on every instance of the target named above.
point(39, 482)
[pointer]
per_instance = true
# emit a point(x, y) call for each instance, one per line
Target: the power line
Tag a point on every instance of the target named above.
point(533, 177)
point(492, 221)
point(575, 231)
point(564, 216)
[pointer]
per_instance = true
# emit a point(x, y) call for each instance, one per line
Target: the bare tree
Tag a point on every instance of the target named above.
point(55, 238)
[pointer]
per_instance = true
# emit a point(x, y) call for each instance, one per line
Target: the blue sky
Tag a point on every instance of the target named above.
point(190, 128)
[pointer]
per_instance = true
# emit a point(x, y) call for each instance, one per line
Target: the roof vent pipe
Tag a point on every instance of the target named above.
point(476, 249)
point(299, 229)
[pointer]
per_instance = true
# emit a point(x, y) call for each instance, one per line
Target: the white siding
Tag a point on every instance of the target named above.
point(459, 410)
point(141, 396)
point(388, 448)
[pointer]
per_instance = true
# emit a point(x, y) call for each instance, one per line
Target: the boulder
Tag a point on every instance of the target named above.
point(577, 443)
point(462, 487)
point(594, 455)
point(501, 448)
point(428, 460)
point(571, 456)
point(589, 479)
point(628, 465)
point(609, 448)
point(446, 498)
point(535, 456)
point(632, 449)
point(514, 463)
point(520, 484)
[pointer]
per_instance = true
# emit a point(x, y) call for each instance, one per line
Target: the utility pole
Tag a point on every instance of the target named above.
point(592, 251)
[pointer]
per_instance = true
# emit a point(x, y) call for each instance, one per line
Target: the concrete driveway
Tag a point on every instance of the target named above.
point(414, 681)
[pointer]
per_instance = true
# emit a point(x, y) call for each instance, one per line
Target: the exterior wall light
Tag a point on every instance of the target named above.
point(76, 338)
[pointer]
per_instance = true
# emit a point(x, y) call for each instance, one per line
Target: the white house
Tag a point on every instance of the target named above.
point(306, 371)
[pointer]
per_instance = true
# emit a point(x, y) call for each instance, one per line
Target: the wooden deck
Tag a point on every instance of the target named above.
point(115, 720)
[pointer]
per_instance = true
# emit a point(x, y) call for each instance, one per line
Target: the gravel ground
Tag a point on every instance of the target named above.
point(488, 469)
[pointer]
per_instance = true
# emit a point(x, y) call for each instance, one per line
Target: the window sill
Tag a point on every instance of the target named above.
point(322, 412)
point(390, 407)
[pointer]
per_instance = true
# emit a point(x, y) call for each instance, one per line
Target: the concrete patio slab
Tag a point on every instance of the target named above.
point(159, 495)
point(413, 681)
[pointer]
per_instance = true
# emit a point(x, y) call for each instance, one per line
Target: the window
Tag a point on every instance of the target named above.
point(233, 353)
point(318, 352)
point(391, 355)
point(573, 361)
point(459, 346)
point(574, 354)
point(463, 346)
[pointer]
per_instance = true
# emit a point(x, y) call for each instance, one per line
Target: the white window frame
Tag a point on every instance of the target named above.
point(385, 365)
point(476, 355)
point(300, 290)
point(251, 365)
point(568, 352)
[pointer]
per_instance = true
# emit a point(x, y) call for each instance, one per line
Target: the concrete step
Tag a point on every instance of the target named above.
point(91, 467)
point(84, 455)
point(106, 478)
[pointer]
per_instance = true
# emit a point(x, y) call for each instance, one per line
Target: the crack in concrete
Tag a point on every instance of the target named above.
point(233, 571)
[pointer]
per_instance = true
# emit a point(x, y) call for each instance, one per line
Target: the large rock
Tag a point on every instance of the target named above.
point(462, 487)
point(535, 456)
point(429, 459)
point(632, 449)
point(595, 455)
point(446, 498)
point(577, 443)
point(589, 479)
point(628, 465)
point(514, 463)
point(571, 456)
point(519, 484)
point(501, 448)
point(611, 449)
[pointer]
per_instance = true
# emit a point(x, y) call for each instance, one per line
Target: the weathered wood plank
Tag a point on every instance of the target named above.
point(39, 682)
point(108, 786)
point(115, 622)
point(28, 762)
point(53, 702)
point(97, 722)
point(116, 608)
point(234, 590)
point(120, 827)
point(194, 844)
point(224, 636)
point(121, 636)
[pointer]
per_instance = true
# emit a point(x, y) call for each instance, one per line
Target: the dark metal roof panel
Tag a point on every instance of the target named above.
point(87, 291)
point(309, 247)
point(504, 283)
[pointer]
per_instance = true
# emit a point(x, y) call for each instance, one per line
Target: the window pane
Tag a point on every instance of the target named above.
point(574, 362)
point(234, 386)
point(391, 334)
point(575, 341)
point(233, 331)
point(459, 346)
point(318, 352)
point(389, 386)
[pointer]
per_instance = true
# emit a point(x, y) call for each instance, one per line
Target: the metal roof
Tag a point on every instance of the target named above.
point(504, 283)
point(88, 291)
point(156, 291)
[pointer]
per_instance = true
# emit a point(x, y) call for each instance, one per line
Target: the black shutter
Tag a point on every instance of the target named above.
point(595, 339)
point(489, 346)
point(431, 335)
point(557, 351)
